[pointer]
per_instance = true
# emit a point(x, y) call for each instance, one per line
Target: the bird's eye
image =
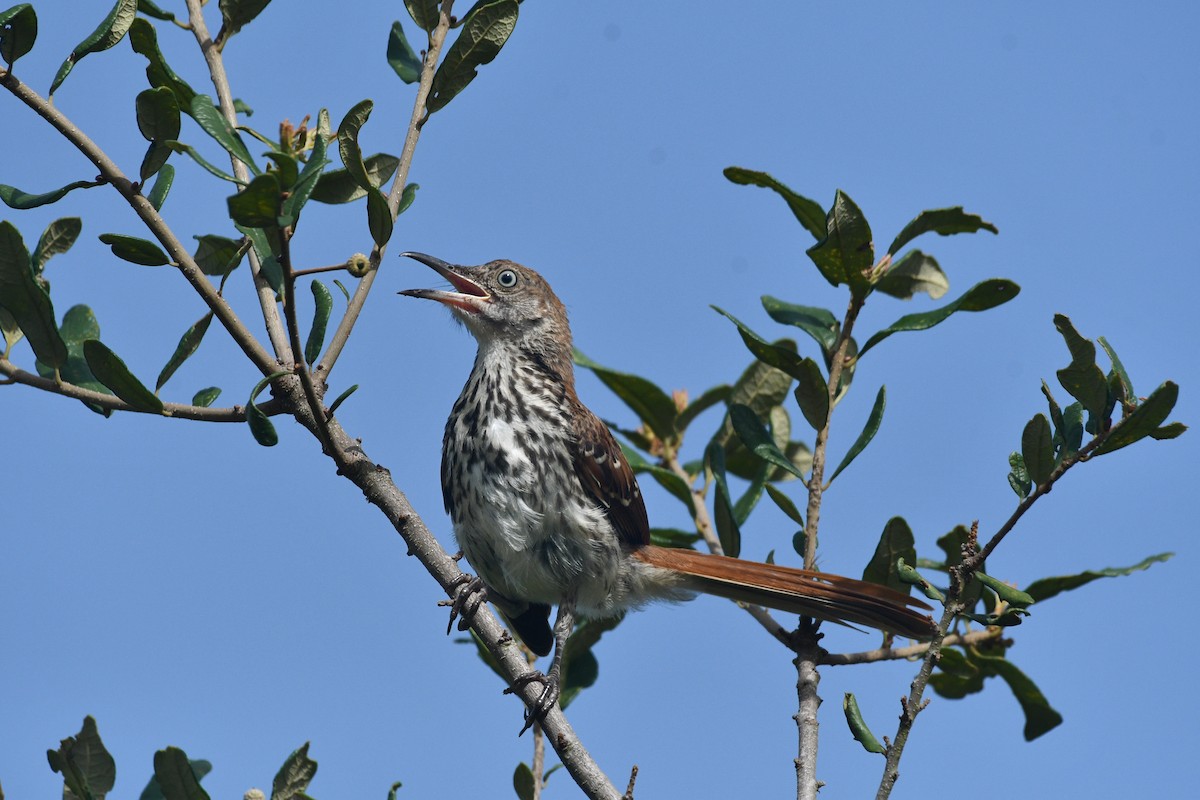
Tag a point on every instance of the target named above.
point(507, 279)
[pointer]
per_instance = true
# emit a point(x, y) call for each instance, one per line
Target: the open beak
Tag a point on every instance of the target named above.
point(468, 296)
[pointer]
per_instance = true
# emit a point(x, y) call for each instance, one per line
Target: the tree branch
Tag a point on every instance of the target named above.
point(910, 652)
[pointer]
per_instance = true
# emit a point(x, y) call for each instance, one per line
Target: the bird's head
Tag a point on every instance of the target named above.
point(500, 301)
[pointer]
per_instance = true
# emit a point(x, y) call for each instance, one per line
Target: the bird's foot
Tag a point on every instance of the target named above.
point(469, 594)
point(546, 700)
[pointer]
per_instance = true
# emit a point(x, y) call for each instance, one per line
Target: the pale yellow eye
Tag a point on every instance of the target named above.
point(507, 279)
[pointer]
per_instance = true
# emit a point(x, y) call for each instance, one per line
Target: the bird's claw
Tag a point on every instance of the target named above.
point(541, 707)
point(469, 594)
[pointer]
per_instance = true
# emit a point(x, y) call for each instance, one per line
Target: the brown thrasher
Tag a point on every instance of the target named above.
point(547, 509)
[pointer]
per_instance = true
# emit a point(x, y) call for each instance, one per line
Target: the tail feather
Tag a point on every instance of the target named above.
point(798, 591)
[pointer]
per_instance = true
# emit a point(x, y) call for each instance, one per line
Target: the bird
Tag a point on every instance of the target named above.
point(546, 508)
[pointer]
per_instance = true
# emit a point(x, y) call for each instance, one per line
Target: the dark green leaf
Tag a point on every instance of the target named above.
point(1073, 427)
point(800, 543)
point(341, 397)
point(108, 33)
point(1169, 431)
point(1118, 369)
point(158, 121)
point(188, 344)
point(294, 776)
point(1144, 421)
point(175, 776)
point(484, 32)
point(1037, 450)
point(217, 255)
point(407, 197)
point(379, 217)
point(1009, 594)
point(348, 145)
point(874, 419)
point(401, 56)
point(18, 31)
point(911, 577)
point(212, 122)
point(257, 205)
point(914, 272)
point(87, 767)
point(423, 12)
point(200, 768)
point(783, 358)
point(673, 537)
point(523, 782)
point(980, 297)
point(397, 785)
point(135, 250)
point(190, 151)
point(1045, 588)
point(785, 504)
point(1040, 718)
point(812, 395)
point(206, 397)
point(1082, 378)
point(808, 212)
point(58, 238)
point(144, 40)
point(762, 388)
point(579, 666)
point(78, 325)
point(112, 372)
point(858, 727)
point(162, 185)
point(1018, 476)
point(12, 335)
point(23, 201)
point(287, 168)
point(846, 252)
point(818, 323)
point(707, 400)
point(746, 504)
point(306, 181)
point(944, 221)
point(339, 186)
point(260, 425)
point(653, 406)
point(26, 300)
point(895, 543)
point(754, 435)
point(236, 14)
point(151, 10)
point(727, 528)
point(323, 301)
point(266, 246)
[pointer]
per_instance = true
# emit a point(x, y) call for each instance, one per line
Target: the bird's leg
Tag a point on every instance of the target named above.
point(469, 593)
point(564, 622)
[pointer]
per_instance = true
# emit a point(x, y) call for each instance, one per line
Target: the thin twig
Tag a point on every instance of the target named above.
point(910, 652)
point(437, 37)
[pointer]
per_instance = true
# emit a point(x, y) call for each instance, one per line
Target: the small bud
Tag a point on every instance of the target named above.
point(358, 264)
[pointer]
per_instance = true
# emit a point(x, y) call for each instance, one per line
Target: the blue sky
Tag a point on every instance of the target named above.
point(186, 586)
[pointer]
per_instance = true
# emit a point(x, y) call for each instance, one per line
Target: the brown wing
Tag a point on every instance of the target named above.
point(608, 479)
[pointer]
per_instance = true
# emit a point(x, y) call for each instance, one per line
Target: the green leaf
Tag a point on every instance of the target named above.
point(18, 31)
point(653, 406)
point(348, 146)
point(785, 504)
point(943, 221)
point(78, 325)
point(257, 205)
point(1018, 476)
point(911, 577)
point(212, 122)
point(858, 727)
point(135, 250)
point(175, 776)
point(484, 32)
point(188, 344)
point(846, 253)
point(1144, 421)
point(236, 14)
point(895, 544)
point(1169, 431)
point(87, 768)
point(1040, 718)
point(111, 31)
point(24, 298)
point(217, 255)
point(808, 212)
point(287, 168)
point(1082, 377)
point(980, 297)
point(316, 335)
point(306, 181)
point(260, 424)
point(401, 56)
point(763, 388)
point(191, 152)
point(379, 217)
point(1037, 450)
point(874, 419)
point(1073, 427)
point(819, 323)
point(695, 408)
point(777, 356)
point(523, 782)
point(673, 537)
point(206, 397)
point(112, 372)
point(144, 40)
point(407, 197)
point(158, 121)
point(294, 776)
point(423, 12)
point(579, 665)
point(23, 201)
point(151, 10)
point(727, 527)
point(339, 186)
point(266, 246)
point(914, 272)
point(1009, 594)
point(162, 185)
point(200, 768)
point(1045, 588)
point(754, 435)
point(812, 395)
point(11, 331)
point(338, 400)
point(1118, 369)
point(58, 238)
